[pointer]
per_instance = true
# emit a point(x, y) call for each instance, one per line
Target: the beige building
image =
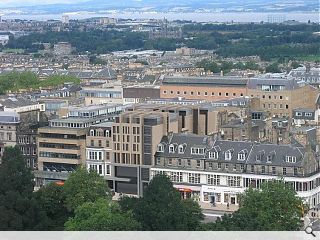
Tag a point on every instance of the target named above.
point(135, 138)
point(280, 103)
point(9, 122)
point(61, 147)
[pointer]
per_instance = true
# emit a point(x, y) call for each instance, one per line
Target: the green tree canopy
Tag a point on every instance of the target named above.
point(102, 215)
point(18, 210)
point(274, 207)
point(51, 200)
point(83, 186)
point(161, 208)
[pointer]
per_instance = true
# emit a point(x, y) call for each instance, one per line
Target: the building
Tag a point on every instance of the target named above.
point(205, 88)
point(304, 116)
point(280, 96)
point(306, 74)
point(65, 19)
point(9, 122)
point(31, 117)
point(62, 49)
point(4, 39)
point(135, 135)
point(192, 118)
point(185, 51)
point(165, 31)
point(137, 94)
point(216, 171)
point(99, 150)
point(96, 96)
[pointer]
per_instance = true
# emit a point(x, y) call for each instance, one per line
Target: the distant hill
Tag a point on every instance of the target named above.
point(228, 5)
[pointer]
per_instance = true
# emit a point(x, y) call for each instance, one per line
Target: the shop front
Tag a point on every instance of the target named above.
point(220, 195)
point(189, 192)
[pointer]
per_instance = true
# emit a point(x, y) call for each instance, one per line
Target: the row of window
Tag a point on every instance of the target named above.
point(7, 137)
point(300, 114)
point(226, 166)
point(194, 178)
point(200, 93)
point(269, 106)
point(99, 169)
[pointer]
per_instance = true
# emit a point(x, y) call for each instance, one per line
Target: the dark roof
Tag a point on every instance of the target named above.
point(205, 81)
point(141, 92)
point(256, 153)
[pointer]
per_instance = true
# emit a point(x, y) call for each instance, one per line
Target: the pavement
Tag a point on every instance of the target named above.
point(211, 213)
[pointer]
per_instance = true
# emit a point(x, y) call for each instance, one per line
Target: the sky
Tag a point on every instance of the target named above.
point(16, 3)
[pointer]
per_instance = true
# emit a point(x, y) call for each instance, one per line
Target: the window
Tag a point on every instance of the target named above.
point(299, 114)
point(228, 155)
point(158, 161)
point(242, 155)
point(92, 143)
point(263, 169)
point(226, 166)
point(160, 148)
point(295, 171)
point(308, 114)
point(189, 162)
point(197, 151)
point(194, 178)
point(206, 93)
point(181, 149)
point(213, 155)
point(273, 170)
point(170, 161)
point(179, 162)
point(219, 165)
point(252, 168)
point(242, 167)
point(213, 179)
point(233, 181)
point(291, 159)
point(198, 163)
point(284, 171)
point(176, 176)
point(108, 170)
point(234, 167)
point(171, 148)
point(210, 165)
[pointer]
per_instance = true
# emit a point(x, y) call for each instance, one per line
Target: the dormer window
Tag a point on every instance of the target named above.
point(107, 133)
point(291, 159)
point(228, 155)
point(242, 155)
point(213, 155)
point(171, 148)
point(92, 133)
point(197, 151)
point(160, 148)
point(181, 149)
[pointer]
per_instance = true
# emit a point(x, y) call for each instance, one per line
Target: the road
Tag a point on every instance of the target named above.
point(212, 215)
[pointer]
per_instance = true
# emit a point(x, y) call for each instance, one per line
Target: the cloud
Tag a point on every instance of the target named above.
point(17, 3)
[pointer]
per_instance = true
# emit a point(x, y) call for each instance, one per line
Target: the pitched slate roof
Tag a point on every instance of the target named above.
point(255, 153)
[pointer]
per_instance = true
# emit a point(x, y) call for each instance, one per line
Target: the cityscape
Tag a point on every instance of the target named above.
point(142, 116)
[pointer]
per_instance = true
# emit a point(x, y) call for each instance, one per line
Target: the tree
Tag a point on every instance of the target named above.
point(161, 208)
point(51, 200)
point(274, 207)
point(102, 215)
point(18, 210)
point(273, 68)
point(83, 186)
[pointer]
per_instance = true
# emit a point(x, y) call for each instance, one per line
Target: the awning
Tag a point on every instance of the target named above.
point(184, 190)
